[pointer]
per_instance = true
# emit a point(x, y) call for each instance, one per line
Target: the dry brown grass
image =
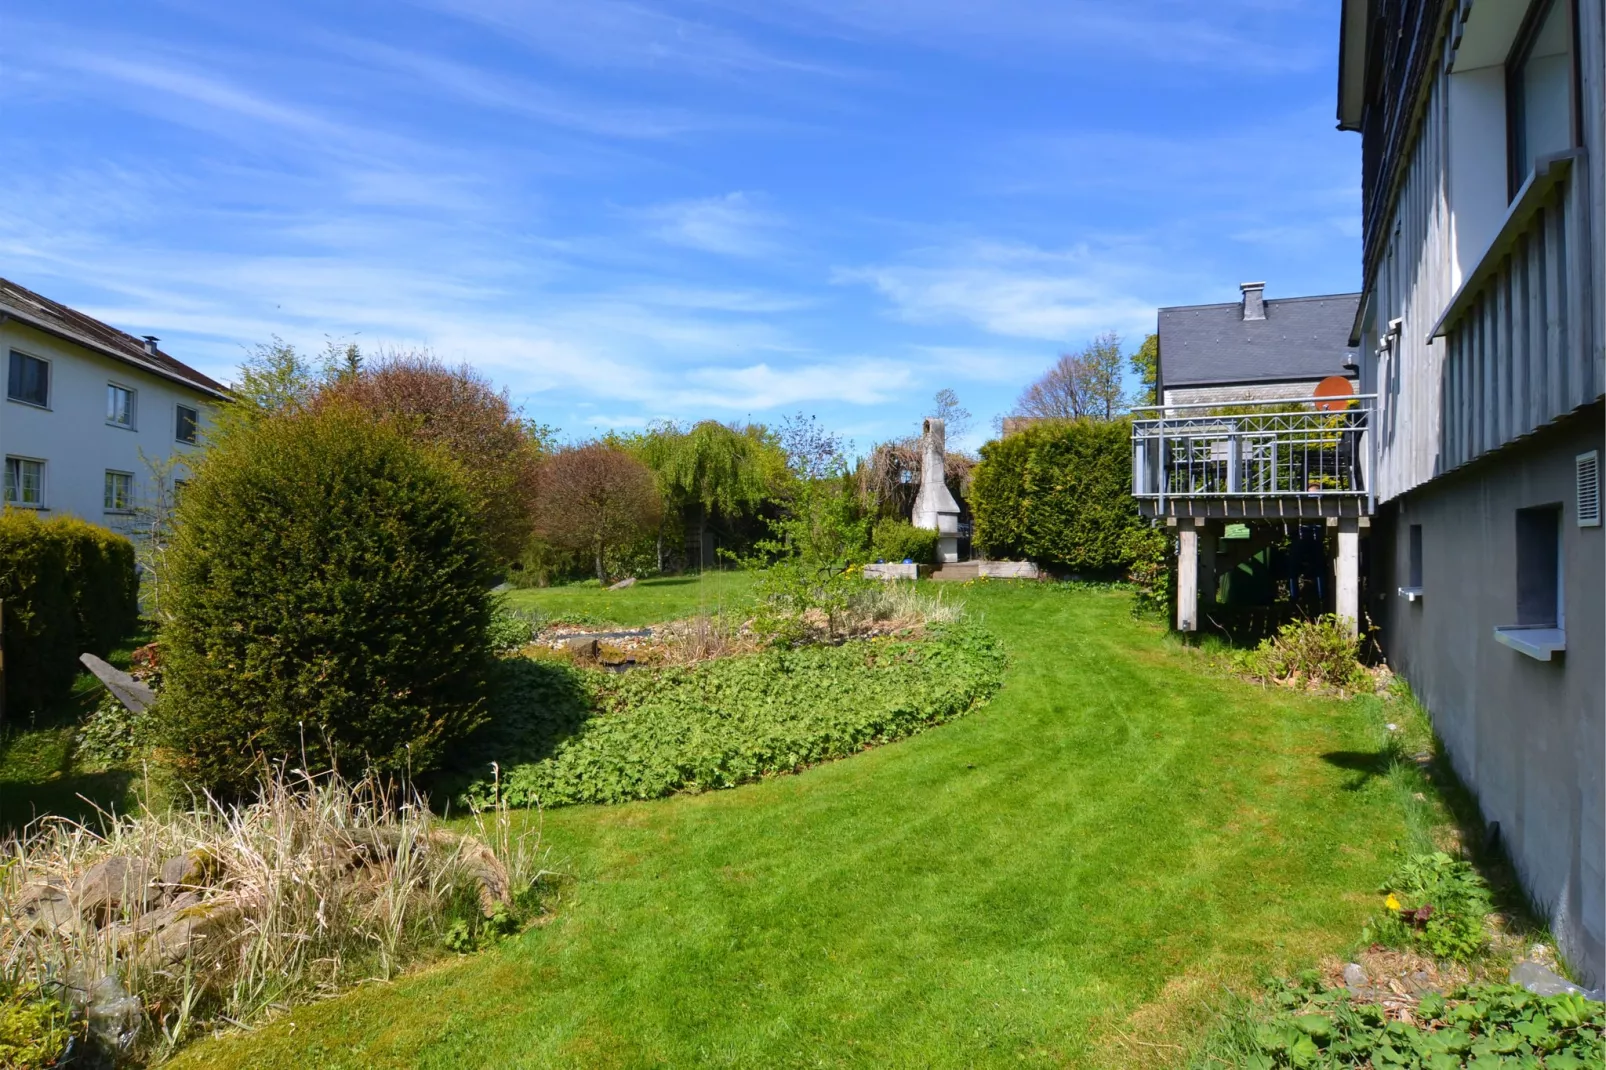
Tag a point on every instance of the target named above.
point(163, 923)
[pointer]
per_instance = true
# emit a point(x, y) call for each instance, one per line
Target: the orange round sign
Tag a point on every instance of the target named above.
point(1333, 394)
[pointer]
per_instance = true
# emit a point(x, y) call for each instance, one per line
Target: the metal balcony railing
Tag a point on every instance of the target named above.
point(1285, 447)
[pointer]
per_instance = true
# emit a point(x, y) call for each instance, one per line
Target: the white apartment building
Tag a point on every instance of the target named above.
point(91, 415)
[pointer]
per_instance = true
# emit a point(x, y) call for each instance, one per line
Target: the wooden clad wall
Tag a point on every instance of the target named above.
point(1413, 285)
point(1529, 345)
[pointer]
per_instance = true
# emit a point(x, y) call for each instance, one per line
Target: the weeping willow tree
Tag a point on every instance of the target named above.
point(711, 470)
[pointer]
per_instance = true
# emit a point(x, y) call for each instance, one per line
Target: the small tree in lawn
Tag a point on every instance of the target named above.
point(595, 498)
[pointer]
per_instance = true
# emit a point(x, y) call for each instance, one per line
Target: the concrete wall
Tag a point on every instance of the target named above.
point(72, 436)
point(1528, 737)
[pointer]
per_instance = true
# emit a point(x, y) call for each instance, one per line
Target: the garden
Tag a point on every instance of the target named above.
point(460, 754)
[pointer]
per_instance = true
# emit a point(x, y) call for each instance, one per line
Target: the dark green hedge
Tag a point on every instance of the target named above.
point(69, 588)
point(1059, 494)
point(329, 592)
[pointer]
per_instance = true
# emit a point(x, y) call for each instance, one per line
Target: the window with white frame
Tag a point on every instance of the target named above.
point(28, 380)
point(187, 426)
point(25, 482)
point(1539, 89)
point(119, 492)
point(119, 406)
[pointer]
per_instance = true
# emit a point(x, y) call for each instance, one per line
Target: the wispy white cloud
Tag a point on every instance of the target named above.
point(1016, 291)
point(1247, 35)
point(731, 225)
point(619, 34)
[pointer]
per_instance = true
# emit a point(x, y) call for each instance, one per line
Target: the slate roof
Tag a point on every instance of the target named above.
point(1301, 338)
point(54, 318)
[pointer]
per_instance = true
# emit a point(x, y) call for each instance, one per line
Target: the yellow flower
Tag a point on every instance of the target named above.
point(1392, 902)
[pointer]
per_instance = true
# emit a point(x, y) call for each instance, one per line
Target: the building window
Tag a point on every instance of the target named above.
point(25, 482)
point(179, 487)
point(1412, 591)
point(188, 424)
point(1539, 566)
point(119, 492)
point(1540, 631)
point(28, 380)
point(1539, 89)
point(119, 406)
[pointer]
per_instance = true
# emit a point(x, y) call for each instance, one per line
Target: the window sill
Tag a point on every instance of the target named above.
point(120, 427)
point(26, 505)
point(30, 404)
point(1411, 594)
point(1548, 172)
point(1538, 641)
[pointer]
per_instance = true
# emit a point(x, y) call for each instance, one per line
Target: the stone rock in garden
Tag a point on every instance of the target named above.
point(192, 869)
point(46, 904)
point(1354, 976)
point(1545, 982)
point(115, 885)
point(127, 690)
point(176, 932)
point(581, 647)
point(628, 581)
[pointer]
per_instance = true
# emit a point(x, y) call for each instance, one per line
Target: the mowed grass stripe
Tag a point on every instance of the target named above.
point(1064, 877)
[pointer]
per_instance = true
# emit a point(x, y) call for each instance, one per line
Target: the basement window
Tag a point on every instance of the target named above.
point(1412, 591)
point(1540, 631)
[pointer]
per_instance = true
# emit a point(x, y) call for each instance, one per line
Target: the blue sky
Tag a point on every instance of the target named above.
point(702, 208)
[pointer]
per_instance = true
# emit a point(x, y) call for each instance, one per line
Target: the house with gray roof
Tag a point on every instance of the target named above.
point(1253, 348)
point(95, 422)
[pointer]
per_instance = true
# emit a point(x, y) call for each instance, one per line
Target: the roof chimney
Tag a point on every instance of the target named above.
point(150, 344)
point(1254, 300)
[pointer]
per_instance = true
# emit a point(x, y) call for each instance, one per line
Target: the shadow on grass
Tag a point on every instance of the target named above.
point(535, 704)
point(81, 797)
point(1370, 765)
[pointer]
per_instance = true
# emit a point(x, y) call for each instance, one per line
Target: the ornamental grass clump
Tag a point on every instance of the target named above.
point(328, 602)
point(163, 924)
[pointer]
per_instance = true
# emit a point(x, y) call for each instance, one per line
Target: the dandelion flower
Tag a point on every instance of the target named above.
point(1392, 902)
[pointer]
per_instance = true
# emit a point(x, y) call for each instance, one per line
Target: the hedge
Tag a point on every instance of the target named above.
point(1059, 494)
point(70, 588)
point(329, 591)
point(894, 539)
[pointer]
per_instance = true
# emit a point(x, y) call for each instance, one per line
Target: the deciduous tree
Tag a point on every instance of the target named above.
point(594, 498)
point(454, 409)
point(1085, 383)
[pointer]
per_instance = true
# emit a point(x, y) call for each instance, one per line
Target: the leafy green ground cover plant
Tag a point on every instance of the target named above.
point(570, 735)
point(1437, 904)
point(1308, 653)
point(1476, 1027)
point(35, 1029)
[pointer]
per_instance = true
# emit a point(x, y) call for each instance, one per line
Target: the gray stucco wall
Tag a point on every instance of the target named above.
point(1528, 737)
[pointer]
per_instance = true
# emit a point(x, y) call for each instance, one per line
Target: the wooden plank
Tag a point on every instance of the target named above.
point(1555, 311)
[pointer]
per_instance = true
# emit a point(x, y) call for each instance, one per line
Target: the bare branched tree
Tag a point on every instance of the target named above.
point(955, 417)
point(1085, 383)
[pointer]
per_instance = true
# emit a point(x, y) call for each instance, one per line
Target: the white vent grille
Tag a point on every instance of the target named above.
point(1589, 489)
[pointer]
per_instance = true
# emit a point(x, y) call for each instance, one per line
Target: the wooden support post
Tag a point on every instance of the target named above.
point(1347, 575)
point(1209, 537)
point(1187, 578)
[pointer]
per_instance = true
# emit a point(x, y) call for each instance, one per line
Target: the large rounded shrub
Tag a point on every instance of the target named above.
point(329, 598)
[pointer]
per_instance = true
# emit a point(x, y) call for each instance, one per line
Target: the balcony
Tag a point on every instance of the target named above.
point(1277, 459)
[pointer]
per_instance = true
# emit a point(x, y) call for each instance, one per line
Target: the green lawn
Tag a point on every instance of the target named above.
point(41, 774)
point(649, 601)
point(1066, 877)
